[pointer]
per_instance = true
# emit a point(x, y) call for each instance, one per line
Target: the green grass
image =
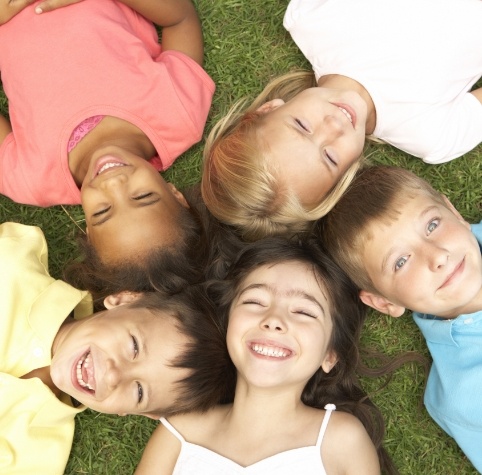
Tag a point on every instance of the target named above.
point(246, 45)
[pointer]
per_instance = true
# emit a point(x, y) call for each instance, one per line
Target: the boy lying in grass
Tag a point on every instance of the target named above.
point(406, 246)
point(143, 355)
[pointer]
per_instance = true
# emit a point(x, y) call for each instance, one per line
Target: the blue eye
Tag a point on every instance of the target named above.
point(400, 263)
point(433, 225)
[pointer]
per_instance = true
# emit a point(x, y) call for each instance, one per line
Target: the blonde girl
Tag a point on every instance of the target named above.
point(395, 75)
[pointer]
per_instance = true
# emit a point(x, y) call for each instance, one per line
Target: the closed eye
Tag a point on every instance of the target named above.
point(142, 196)
point(140, 393)
point(300, 124)
point(135, 346)
point(101, 212)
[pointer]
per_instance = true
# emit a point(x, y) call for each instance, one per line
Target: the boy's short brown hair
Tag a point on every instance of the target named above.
point(376, 194)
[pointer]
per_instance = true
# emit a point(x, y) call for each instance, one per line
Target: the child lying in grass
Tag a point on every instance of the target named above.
point(406, 246)
point(145, 355)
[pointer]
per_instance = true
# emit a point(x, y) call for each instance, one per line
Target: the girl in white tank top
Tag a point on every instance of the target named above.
point(292, 321)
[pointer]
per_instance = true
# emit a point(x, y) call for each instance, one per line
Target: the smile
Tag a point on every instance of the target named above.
point(85, 372)
point(347, 114)
point(454, 274)
point(271, 351)
point(107, 166)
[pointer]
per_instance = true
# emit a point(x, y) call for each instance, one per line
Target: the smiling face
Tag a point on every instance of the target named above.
point(280, 326)
point(426, 259)
point(128, 206)
point(119, 361)
point(313, 139)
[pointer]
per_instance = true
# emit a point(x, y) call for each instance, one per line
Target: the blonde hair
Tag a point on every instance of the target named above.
point(377, 194)
point(238, 186)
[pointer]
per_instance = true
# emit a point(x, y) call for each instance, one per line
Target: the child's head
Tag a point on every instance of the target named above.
point(288, 299)
point(149, 355)
point(404, 245)
point(140, 252)
point(282, 163)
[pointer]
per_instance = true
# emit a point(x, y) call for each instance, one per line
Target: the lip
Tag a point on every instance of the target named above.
point(104, 160)
point(454, 275)
point(73, 376)
point(269, 349)
point(348, 109)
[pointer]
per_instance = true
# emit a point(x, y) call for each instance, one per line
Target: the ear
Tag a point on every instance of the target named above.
point(121, 298)
point(178, 195)
point(330, 360)
point(381, 304)
point(452, 208)
point(270, 106)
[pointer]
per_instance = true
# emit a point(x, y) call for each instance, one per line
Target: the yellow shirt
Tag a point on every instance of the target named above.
point(36, 428)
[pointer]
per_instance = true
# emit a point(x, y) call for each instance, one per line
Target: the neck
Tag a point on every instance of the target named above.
point(336, 81)
point(110, 131)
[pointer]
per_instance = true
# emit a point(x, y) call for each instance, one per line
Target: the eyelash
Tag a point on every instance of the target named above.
point(140, 390)
point(300, 124)
point(101, 212)
point(305, 313)
point(141, 197)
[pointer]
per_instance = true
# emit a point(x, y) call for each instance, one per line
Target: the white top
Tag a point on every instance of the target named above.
point(417, 58)
point(197, 460)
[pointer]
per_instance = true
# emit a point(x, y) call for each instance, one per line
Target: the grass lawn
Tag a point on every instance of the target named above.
point(246, 45)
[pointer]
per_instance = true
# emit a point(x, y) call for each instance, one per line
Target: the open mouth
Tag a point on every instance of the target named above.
point(85, 373)
point(347, 114)
point(110, 165)
point(270, 351)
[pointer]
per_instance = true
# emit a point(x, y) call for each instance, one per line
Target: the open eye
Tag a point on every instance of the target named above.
point(399, 263)
point(433, 225)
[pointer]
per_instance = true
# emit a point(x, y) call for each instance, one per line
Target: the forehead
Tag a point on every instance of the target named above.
point(284, 274)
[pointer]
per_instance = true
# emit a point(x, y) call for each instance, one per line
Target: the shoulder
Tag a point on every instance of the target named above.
point(347, 447)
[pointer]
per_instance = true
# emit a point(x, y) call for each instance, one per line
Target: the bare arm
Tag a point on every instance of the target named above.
point(9, 8)
point(478, 93)
point(5, 128)
point(181, 28)
point(160, 454)
point(347, 448)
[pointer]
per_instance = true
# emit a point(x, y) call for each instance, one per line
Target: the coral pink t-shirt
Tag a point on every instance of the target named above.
point(91, 58)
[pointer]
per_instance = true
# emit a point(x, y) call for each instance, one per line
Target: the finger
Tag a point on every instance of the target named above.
point(49, 5)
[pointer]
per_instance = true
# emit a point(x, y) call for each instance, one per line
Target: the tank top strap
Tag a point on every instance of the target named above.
point(171, 429)
point(329, 408)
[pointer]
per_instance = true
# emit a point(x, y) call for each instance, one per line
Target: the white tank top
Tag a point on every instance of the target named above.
point(197, 460)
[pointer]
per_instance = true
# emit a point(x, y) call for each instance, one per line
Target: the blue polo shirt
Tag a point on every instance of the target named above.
point(453, 396)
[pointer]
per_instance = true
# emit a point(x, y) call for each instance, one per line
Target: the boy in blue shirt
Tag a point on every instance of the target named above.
point(407, 247)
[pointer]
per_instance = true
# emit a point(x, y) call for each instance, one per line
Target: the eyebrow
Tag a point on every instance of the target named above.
point(294, 292)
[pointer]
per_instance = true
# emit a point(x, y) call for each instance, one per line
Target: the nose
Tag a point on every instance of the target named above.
point(112, 376)
point(114, 181)
point(438, 258)
point(273, 322)
point(333, 125)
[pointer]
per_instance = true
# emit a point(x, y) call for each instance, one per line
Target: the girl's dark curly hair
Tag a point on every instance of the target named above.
point(341, 385)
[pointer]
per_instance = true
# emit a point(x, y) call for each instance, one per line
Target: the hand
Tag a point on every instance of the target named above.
point(9, 8)
point(49, 5)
